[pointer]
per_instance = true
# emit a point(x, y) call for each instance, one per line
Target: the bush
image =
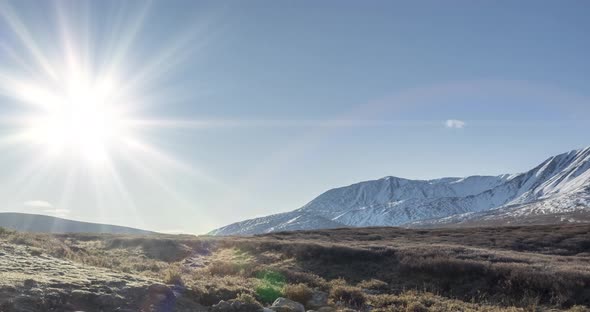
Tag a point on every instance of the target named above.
point(373, 284)
point(4, 231)
point(416, 307)
point(35, 252)
point(173, 275)
point(351, 296)
point(247, 298)
point(270, 286)
point(223, 268)
point(299, 292)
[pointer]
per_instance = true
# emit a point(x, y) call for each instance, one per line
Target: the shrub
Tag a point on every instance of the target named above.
point(212, 289)
point(232, 262)
point(223, 268)
point(247, 298)
point(373, 284)
point(35, 252)
point(351, 296)
point(4, 231)
point(416, 307)
point(270, 286)
point(299, 292)
point(338, 282)
point(268, 293)
point(173, 275)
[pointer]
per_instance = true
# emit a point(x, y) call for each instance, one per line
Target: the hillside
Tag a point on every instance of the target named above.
point(534, 268)
point(46, 224)
point(557, 189)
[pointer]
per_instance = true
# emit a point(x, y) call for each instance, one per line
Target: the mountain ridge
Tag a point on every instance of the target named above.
point(25, 222)
point(393, 201)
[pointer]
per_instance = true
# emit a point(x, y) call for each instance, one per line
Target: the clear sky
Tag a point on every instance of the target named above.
point(198, 114)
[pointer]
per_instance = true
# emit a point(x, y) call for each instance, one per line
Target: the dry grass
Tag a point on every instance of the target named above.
point(487, 269)
point(349, 296)
point(374, 285)
point(173, 275)
point(298, 292)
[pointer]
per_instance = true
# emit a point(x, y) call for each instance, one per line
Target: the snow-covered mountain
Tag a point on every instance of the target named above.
point(559, 185)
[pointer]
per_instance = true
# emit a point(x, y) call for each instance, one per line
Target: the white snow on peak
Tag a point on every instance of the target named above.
point(557, 182)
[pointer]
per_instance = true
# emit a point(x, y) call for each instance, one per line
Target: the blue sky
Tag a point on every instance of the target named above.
point(269, 103)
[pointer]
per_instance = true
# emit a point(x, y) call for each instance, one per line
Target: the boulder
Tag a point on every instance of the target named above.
point(235, 306)
point(286, 305)
point(29, 283)
point(222, 306)
point(159, 289)
point(318, 299)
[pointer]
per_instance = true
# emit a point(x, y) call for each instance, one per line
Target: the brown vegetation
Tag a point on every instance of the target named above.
point(389, 269)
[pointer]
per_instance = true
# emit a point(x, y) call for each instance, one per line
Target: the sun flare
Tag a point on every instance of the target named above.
point(83, 118)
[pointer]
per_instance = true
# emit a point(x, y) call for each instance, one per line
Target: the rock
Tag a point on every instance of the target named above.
point(267, 310)
point(326, 309)
point(26, 304)
point(78, 295)
point(286, 305)
point(54, 299)
point(160, 298)
point(117, 284)
point(159, 289)
point(29, 283)
point(107, 301)
point(318, 299)
point(222, 306)
point(236, 306)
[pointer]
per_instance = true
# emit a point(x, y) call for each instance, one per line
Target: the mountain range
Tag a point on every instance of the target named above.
point(24, 222)
point(557, 190)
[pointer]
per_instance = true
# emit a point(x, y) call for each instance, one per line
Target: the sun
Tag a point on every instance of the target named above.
point(82, 117)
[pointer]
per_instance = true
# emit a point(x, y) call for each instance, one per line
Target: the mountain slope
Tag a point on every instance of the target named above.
point(557, 185)
point(45, 224)
point(289, 221)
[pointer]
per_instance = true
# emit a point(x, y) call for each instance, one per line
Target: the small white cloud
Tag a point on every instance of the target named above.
point(47, 208)
point(38, 204)
point(455, 124)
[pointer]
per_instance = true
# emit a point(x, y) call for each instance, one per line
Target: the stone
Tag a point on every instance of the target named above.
point(318, 299)
point(159, 289)
point(78, 295)
point(286, 305)
point(222, 306)
point(236, 305)
point(29, 283)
